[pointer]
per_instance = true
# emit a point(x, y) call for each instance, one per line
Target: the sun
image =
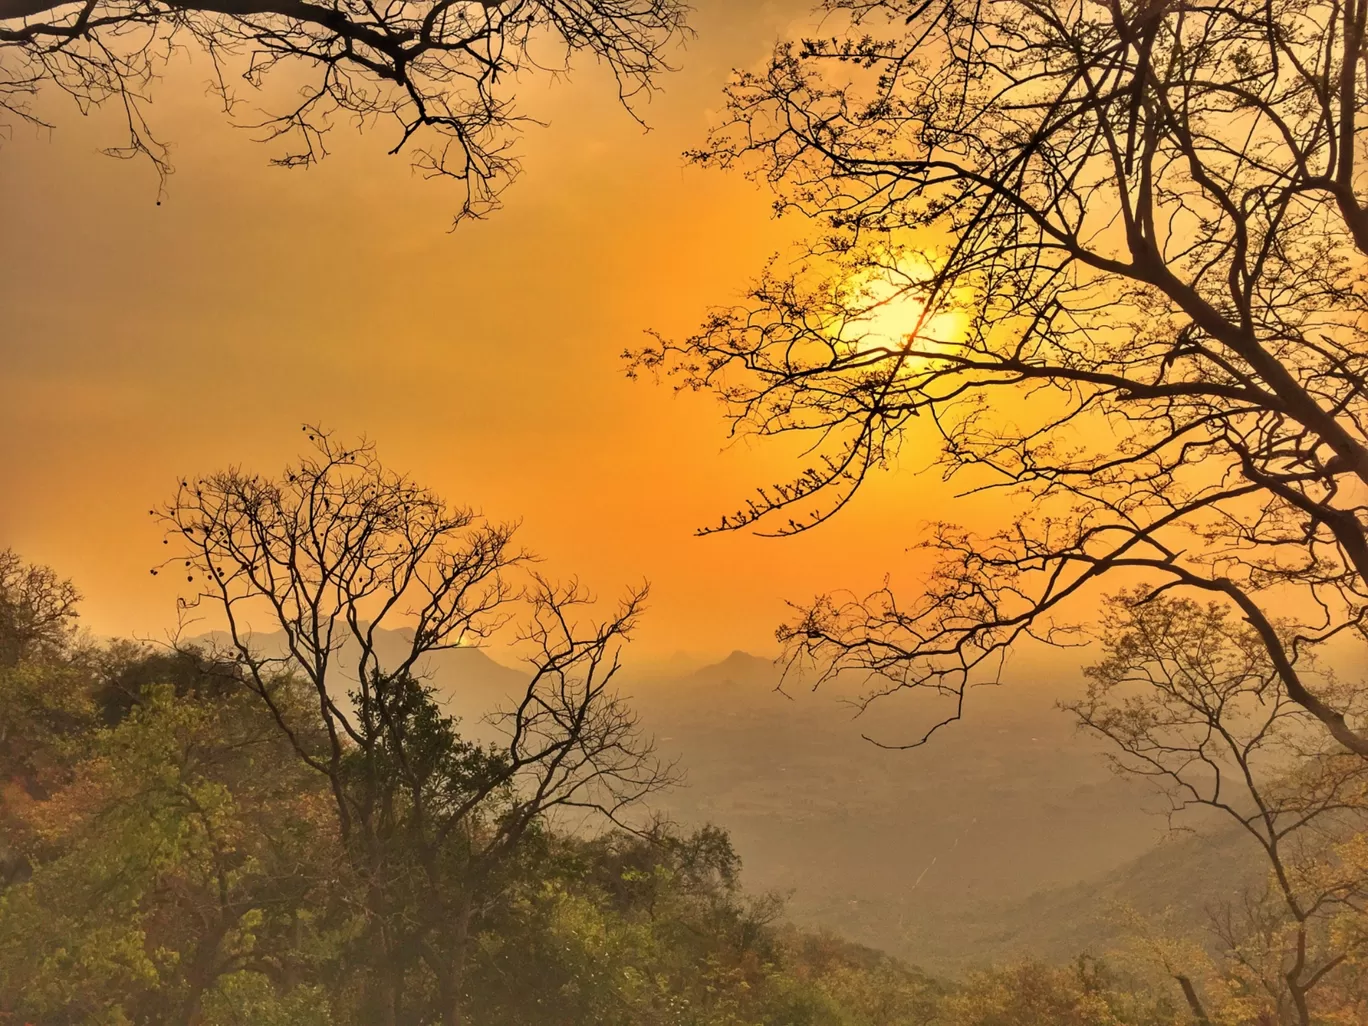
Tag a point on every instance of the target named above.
point(887, 313)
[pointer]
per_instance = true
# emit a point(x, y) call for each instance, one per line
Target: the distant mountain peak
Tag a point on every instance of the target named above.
point(739, 668)
point(742, 656)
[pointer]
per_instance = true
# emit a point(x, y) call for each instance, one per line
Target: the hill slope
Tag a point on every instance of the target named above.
point(916, 852)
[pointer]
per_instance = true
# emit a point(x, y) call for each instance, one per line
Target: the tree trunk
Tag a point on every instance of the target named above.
point(1194, 1002)
point(390, 985)
point(454, 1011)
point(202, 972)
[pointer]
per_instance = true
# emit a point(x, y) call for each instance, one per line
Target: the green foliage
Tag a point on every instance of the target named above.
point(181, 868)
point(1031, 994)
point(250, 999)
point(655, 930)
point(179, 849)
point(170, 859)
point(175, 861)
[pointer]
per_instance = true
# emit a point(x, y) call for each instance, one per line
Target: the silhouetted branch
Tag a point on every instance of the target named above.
point(439, 70)
point(1111, 257)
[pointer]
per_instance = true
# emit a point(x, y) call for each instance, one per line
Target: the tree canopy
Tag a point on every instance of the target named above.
point(1110, 256)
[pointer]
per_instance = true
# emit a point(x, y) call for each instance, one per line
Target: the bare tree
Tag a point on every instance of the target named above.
point(1109, 255)
point(333, 552)
point(1187, 698)
point(438, 71)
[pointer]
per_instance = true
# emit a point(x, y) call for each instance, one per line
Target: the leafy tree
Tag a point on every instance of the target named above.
point(652, 929)
point(186, 852)
point(45, 676)
point(1107, 256)
point(37, 611)
point(439, 73)
point(863, 986)
point(330, 553)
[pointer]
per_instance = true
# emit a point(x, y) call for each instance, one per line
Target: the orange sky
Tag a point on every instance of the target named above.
point(144, 342)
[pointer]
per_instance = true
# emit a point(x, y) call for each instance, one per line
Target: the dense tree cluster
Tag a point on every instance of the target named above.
point(170, 859)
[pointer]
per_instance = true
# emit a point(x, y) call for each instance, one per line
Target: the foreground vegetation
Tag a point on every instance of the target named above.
point(167, 858)
point(298, 833)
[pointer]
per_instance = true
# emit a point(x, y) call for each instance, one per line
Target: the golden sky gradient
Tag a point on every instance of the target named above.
point(143, 342)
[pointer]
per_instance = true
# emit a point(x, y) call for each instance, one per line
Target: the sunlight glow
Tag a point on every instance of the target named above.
point(889, 313)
